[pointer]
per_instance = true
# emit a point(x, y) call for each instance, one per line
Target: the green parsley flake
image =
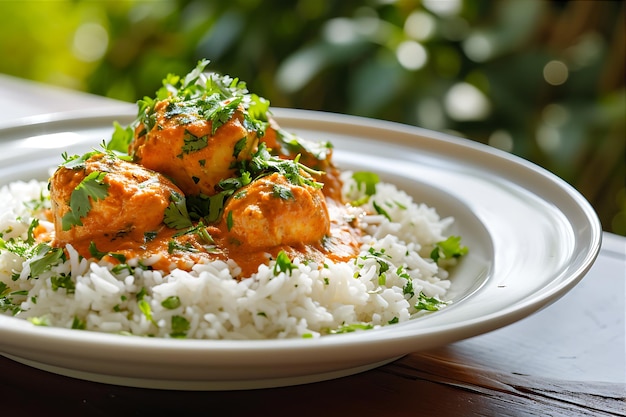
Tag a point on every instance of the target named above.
point(192, 143)
point(429, 303)
point(171, 302)
point(349, 328)
point(45, 257)
point(145, 308)
point(91, 188)
point(282, 192)
point(283, 264)
point(366, 180)
point(180, 326)
point(78, 324)
point(63, 281)
point(176, 215)
point(448, 249)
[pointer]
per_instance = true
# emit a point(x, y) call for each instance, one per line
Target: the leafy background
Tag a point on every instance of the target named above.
point(544, 80)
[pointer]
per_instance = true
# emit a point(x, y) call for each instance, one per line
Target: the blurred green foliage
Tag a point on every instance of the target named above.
point(541, 79)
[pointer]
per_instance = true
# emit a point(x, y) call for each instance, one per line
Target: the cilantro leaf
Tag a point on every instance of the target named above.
point(367, 180)
point(193, 76)
point(91, 188)
point(283, 264)
point(229, 220)
point(145, 308)
point(448, 249)
point(171, 302)
point(295, 145)
point(76, 161)
point(63, 281)
point(45, 258)
point(221, 112)
point(176, 215)
point(381, 210)
point(120, 139)
point(193, 143)
point(282, 192)
point(349, 328)
point(78, 324)
point(93, 251)
point(429, 303)
point(7, 302)
point(239, 146)
point(30, 234)
point(180, 326)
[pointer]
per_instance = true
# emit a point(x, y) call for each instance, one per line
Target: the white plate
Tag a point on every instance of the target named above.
point(531, 236)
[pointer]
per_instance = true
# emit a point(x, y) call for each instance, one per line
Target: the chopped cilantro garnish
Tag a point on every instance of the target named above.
point(180, 326)
point(141, 294)
point(448, 249)
point(118, 256)
point(145, 308)
point(283, 264)
point(229, 220)
point(7, 301)
point(349, 328)
point(368, 180)
point(176, 215)
point(63, 281)
point(45, 257)
point(30, 234)
point(262, 162)
point(93, 251)
point(429, 303)
point(211, 96)
point(295, 145)
point(381, 210)
point(199, 230)
point(193, 143)
point(78, 324)
point(91, 188)
point(282, 192)
point(39, 203)
point(171, 302)
point(174, 246)
point(76, 161)
point(40, 321)
point(408, 288)
point(239, 146)
point(120, 139)
point(220, 112)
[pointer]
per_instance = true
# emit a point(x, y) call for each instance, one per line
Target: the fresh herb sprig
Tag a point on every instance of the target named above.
point(40, 256)
point(91, 189)
point(450, 248)
point(210, 96)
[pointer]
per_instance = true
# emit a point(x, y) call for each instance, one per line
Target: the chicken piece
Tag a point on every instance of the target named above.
point(271, 211)
point(109, 202)
point(183, 145)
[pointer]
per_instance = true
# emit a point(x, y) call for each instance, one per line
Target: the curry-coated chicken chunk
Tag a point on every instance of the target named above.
point(272, 211)
point(191, 149)
point(113, 203)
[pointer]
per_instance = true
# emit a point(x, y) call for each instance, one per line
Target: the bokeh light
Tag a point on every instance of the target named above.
point(543, 79)
point(555, 72)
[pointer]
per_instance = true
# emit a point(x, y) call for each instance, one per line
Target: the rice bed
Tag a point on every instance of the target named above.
point(311, 300)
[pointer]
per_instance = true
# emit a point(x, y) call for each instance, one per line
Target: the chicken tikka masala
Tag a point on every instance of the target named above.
point(203, 173)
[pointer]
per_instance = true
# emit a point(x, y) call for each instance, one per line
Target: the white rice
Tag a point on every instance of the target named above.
point(311, 301)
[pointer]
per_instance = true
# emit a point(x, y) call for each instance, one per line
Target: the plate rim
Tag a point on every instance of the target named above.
point(478, 326)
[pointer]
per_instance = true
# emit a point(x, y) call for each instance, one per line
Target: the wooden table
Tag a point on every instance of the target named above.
point(566, 360)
